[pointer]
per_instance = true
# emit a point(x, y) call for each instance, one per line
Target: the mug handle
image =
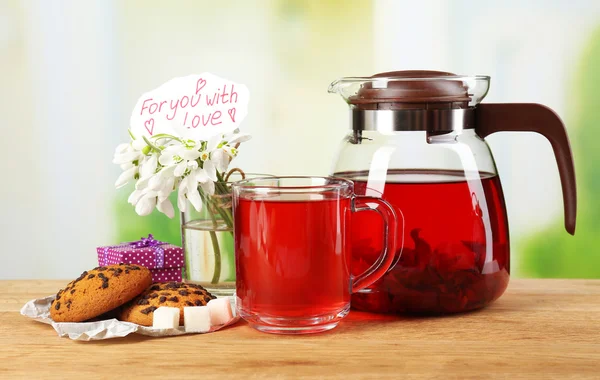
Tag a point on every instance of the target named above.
point(390, 223)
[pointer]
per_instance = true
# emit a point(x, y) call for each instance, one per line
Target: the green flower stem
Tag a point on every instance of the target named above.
point(166, 136)
point(221, 187)
point(225, 214)
point(227, 217)
point(151, 145)
point(214, 240)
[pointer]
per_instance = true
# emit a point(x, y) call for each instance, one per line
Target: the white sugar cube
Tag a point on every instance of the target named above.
point(220, 311)
point(166, 318)
point(196, 319)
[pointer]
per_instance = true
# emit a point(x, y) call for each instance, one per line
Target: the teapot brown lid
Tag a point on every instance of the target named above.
point(412, 89)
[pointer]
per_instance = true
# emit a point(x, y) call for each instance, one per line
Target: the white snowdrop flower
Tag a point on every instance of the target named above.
point(236, 138)
point(146, 203)
point(163, 163)
point(126, 176)
point(129, 158)
point(149, 165)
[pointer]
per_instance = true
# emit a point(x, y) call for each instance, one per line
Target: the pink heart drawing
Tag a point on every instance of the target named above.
point(200, 85)
point(231, 113)
point(149, 124)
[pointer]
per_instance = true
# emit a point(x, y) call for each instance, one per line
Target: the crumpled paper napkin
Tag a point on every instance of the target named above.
point(39, 310)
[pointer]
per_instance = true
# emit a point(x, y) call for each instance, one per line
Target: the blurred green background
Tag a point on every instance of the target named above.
point(71, 72)
point(551, 252)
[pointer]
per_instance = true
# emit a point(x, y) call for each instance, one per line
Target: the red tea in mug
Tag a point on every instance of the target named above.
point(293, 257)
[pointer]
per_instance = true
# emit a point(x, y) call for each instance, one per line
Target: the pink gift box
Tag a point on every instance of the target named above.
point(164, 260)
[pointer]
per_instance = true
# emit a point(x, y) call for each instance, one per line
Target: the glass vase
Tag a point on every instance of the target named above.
point(207, 239)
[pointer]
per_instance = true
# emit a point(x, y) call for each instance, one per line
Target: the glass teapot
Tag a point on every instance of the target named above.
point(417, 140)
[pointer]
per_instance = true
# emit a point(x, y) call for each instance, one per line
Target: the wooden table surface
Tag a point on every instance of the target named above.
point(539, 328)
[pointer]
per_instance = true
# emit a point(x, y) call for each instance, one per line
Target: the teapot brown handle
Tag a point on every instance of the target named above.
point(531, 117)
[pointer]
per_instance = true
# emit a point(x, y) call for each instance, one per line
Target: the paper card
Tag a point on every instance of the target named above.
point(195, 107)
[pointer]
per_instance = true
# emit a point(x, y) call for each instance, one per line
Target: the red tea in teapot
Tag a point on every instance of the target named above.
point(455, 246)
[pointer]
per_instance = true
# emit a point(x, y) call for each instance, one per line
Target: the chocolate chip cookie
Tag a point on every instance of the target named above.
point(98, 291)
point(173, 294)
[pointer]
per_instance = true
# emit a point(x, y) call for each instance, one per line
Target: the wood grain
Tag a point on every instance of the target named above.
point(538, 329)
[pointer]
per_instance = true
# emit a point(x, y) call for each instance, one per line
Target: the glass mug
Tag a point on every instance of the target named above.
point(293, 251)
